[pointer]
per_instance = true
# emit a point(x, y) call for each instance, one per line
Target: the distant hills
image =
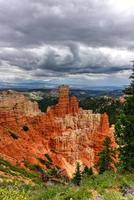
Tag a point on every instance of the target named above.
point(80, 93)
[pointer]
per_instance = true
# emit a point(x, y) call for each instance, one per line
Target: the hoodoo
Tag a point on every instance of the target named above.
point(66, 132)
point(66, 104)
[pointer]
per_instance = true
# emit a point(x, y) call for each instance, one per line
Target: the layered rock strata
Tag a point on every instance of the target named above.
point(17, 102)
point(67, 133)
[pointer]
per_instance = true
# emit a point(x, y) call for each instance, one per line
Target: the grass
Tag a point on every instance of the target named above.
point(12, 194)
point(8, 168)
point(107, 186)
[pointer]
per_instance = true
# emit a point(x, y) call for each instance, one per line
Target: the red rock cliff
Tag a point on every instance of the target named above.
point(66, 132)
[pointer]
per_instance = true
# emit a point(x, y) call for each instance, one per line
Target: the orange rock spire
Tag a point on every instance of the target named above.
point(66, 104)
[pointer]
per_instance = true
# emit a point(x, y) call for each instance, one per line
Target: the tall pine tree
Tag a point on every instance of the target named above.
point(77, 176)
point(125, 128)
point(106, 157)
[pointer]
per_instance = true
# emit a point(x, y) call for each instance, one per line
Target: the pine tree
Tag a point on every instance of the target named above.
point(125, 129)
point(77, 175)
point(106, 161)
point(88, 171)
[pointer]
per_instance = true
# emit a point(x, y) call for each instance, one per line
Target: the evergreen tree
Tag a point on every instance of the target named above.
point(77, 175)
point(87, 171)
point(106, 161)
point(125, 129)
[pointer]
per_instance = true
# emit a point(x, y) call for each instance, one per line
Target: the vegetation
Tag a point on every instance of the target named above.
point(106, 157)
point(125, 129)
point(13, 194)
point(77, 175)
point(48, 157)
point(8, 168)
point(47, 161)
point(44, 162)
point(102, 104)
point(13, 134)
point(87, 171)
point(47, 101)
point(25, 128)
point(20, 184)
point(107, 186)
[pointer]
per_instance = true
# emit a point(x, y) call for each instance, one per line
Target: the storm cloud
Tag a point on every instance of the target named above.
point(70, 41)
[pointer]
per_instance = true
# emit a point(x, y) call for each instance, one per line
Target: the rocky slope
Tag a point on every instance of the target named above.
point(65, 132)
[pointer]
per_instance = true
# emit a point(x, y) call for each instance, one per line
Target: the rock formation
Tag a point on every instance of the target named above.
point(17, 102)
point(66, 105)
point(67, 133)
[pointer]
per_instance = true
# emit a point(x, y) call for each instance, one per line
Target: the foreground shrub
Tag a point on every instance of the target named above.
point(13, 194)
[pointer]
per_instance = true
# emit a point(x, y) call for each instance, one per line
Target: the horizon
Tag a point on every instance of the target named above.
point(52, 87)
point(81, 43)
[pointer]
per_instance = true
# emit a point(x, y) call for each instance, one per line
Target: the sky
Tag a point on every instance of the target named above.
point(82, 43)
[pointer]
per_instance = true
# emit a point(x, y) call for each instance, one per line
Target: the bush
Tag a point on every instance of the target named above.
point(13, 194)
point(87, 171)
point(34, 167)
point(25, 128)
point(9, 168)
point(45, 162)
point(52, 172)
point(13, 134)
point(48, 157)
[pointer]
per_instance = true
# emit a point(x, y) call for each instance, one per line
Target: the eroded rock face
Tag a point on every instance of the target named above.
point(17, 102)
point(66, 132)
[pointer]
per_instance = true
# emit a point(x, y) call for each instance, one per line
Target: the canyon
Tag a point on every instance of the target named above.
point(66, 132)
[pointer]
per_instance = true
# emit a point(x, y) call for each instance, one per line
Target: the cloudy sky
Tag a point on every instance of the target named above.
point(83, 43)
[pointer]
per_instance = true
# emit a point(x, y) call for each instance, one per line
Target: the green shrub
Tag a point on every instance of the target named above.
point(34, 167)
point(112, 196)
point(87, 171)
point(13, 134)
point(52, 172)
point(13, 194)
point(48, 158)
point(25, 128)
point(9, 168)
point(44, 162)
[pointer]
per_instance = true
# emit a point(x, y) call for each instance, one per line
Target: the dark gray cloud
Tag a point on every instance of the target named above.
point(29, 22)
point(56, 38)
